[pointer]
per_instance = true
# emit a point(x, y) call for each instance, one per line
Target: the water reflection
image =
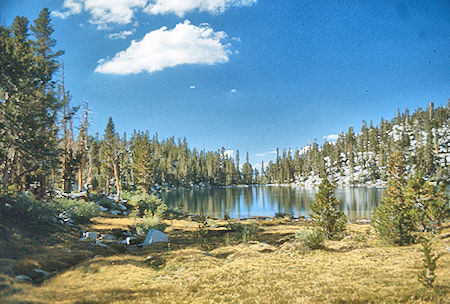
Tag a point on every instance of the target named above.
point(242, 202)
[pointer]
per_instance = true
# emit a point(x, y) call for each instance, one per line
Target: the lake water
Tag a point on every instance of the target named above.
point(244, 202)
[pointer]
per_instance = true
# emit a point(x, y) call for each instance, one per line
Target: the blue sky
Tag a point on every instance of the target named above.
point(248, 74)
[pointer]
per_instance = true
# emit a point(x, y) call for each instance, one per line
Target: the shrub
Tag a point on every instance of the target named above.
point(25, 208)
point(79, 211)
point(326, 215)
point(289, 215)
point(106, 202)
point(143, 201)
point(150, 221)
point(310, 239)
point(245, 232)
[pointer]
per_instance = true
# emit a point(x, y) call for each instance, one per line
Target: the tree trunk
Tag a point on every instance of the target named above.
point(43, 186)
point(80, 177)
point(116, 176)
point(107, 185)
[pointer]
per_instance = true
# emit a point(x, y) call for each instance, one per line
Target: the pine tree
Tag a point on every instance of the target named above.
point(427, 275)
point(140, 148)
point(325, 213)
point(394, 218)
point(110, 156)
point(430, 207)
point(247, 171)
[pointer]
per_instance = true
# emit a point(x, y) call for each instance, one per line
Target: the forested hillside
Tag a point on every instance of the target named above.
point(423, 137)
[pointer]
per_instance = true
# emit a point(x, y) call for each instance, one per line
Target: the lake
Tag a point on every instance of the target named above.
point(266, 200)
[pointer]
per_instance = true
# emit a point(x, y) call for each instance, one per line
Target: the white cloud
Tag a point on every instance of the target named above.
point(331, 137)
point(121, 35)
point(105, 12)
point(163, 48)
point(260, 154)
point(73, 7)
point(192, 87)
point(228, 153)
point(181, 7)
point(233, 91)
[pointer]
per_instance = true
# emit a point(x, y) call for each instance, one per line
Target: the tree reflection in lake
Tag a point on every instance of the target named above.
point(242, 202)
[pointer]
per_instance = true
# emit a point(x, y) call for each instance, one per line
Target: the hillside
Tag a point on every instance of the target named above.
point(361, 159)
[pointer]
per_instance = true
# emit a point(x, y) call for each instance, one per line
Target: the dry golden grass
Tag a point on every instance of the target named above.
point(357, 269)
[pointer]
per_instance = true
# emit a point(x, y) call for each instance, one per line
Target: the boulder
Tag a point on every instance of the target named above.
point(23, 277)
point(89, 236)
point(122, 206)
point(103, 209)
point(155, 236)
point(100, 244)
point(107, 237)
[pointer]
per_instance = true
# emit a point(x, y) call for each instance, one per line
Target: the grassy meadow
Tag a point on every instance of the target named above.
point(271, 268)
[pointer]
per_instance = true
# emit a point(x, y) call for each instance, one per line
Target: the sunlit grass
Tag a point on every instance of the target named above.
point(357, 269)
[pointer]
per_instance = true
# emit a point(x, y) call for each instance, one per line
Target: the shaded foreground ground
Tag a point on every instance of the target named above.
point(270, 269)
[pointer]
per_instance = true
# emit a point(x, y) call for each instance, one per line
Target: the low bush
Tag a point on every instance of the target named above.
point(25, 208)
point(79, 211)
point(105, 202)
point(310, 239)
point(142, 201)
point(245, 232)
point(287, 215)
point(150, 221)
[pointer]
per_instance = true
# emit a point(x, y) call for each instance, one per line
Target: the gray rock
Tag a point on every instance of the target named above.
point(100, 244)
point(107, 237)
point(128, 240)
point(103, 209)
point(114, 212)
point(23, 277)
point(155, 236)
point(122, 206)
point(89, 236)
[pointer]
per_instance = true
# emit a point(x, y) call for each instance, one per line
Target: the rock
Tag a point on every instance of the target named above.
point(155, 236)
point(208, 253)
point(114, 212)
point(89, 235)
point(23, 277)
point(69, 250)
point(122, 206)
point(363, 221)
point(103, 209)
point(128, 240)
point(107, 237)
point(100, 244)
